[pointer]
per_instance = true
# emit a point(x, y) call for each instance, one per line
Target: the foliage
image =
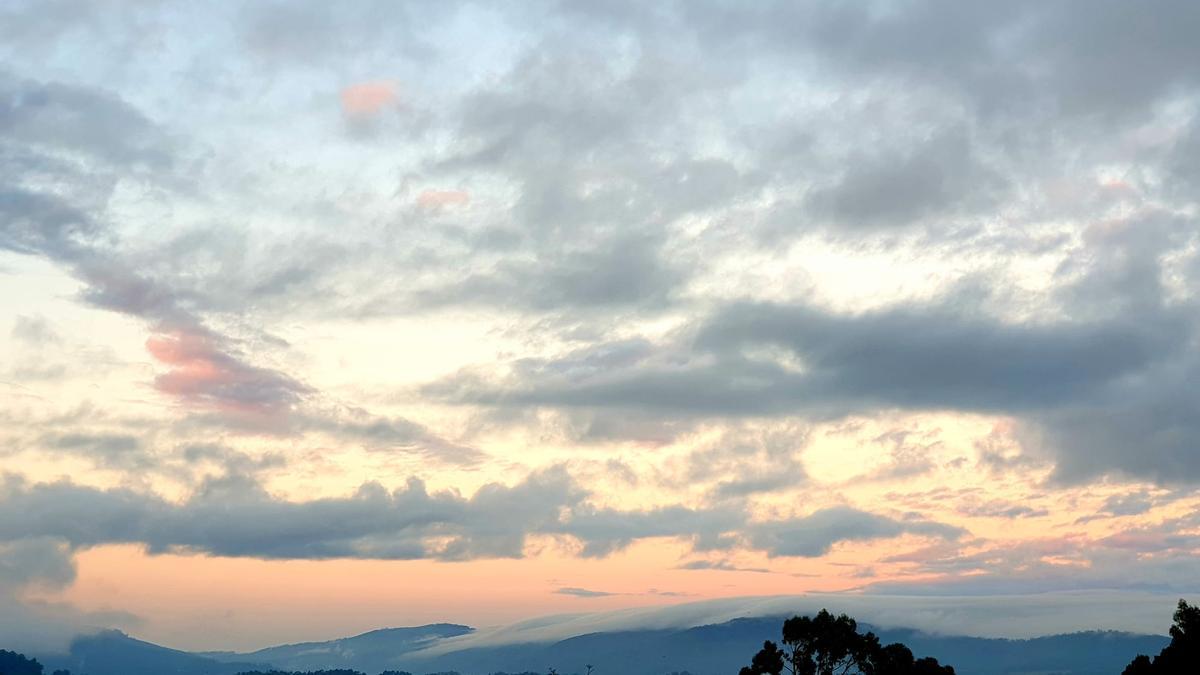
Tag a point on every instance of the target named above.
point(12, 663)
point(831, 645)
point(338, 671)
point(1182, 655)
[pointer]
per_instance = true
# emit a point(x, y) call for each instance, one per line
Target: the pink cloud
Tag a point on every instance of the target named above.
point(204, 374)
point(1141, 541)
point(439, 199)
point(365, 100)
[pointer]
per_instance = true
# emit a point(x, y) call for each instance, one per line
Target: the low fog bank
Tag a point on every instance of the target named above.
point(1008, 616)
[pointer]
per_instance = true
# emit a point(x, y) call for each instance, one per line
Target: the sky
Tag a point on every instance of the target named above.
point(322, 317)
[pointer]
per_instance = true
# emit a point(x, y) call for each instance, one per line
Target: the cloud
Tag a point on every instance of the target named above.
point(232, 515)
point(86, 121)
point(1116, 506)
point(1001, 509)
point(668, 195)
point(119, 451)
point(35, 330)
point(435, 200)
point(583, 592)
point(1067, 378)
point(385, 434)
point(1163, 555)
point(813, 535)
point(1012, 616)
point(38, 561)
point(43, 564)
point(614, 273)
point(204, 374)
point(719, 565)
point(935, 178)
point(365, 100)
point(913, 357)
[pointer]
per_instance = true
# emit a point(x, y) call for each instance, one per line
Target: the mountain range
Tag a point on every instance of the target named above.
point(715, 649)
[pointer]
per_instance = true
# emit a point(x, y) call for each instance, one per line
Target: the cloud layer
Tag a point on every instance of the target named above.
point(879, 295)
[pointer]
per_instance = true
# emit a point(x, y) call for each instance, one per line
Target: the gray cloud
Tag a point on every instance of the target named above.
point(1116, 506)
point(582, 592)
point(918, 357)
point(938, 178)
point(232, 515)
point(719, 565)
point(1019, 56)
point(1102, 373)
point(35, 330)
point(40, 561)
point(387, 434)
point(1068, 563)
point(813, 535)
point(1001, 509)
point(120, 451)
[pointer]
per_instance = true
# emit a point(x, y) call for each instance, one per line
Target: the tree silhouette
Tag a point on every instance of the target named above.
point(831, 645)
point(1140, 665)
point(1182, 655)
point(12, 663)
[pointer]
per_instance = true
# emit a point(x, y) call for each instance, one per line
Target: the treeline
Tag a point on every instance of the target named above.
point(831, 645)
point(12, 663)
point(343, 671)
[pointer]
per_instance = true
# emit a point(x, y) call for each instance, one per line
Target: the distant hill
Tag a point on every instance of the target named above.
point(718, 649)
point(115, 653)
point(371, 652)
point(721, 649)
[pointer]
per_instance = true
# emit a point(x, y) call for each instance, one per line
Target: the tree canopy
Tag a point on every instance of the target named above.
point(12, 663)
point(831, 645)
point(1182, 655)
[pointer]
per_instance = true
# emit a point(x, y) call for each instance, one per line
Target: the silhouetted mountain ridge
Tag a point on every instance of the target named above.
point(373, 651)
point(112, 652)
point(714, 649)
